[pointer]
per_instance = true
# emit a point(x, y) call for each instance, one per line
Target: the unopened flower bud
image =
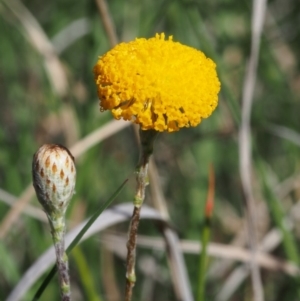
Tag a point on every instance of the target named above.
point(54, 177)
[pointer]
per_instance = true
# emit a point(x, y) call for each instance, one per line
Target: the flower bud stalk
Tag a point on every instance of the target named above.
point(54, 176)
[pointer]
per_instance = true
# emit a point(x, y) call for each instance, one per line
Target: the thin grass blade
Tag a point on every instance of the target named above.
point(77, 239)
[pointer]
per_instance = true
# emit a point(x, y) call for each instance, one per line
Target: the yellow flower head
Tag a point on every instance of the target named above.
point(157, 83)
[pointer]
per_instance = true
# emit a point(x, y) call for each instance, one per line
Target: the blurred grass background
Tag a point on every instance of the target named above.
point(48, 95)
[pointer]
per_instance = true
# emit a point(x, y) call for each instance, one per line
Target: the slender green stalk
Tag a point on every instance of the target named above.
point(288, 240)
point(76, 240)
point(195, 18)
point(205, 237)
point(85, 275)
point(147, 140)
point(58, 227)
point(278, 215)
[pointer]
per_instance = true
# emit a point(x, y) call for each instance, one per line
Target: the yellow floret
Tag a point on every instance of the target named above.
point(157, 83)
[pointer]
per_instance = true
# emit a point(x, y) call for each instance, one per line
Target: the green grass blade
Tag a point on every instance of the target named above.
point(77, 239)
point(197, 24)
point(8, 265)
point(205, 237)
point(86, 277)
point(288, 240)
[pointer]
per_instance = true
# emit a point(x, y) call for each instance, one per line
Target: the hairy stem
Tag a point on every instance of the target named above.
point(142, 182)
point(147, 140)
point(58, 236)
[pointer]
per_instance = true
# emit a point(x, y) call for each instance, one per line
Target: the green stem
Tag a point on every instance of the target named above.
point(58, 235)
point(147, 140)
point(205, 237)
point(76, 240)
point(85, 275)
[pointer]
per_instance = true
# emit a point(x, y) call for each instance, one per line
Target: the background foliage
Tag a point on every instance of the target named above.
point(48, 96)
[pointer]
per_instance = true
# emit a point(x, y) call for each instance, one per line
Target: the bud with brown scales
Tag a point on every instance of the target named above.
point(54, 177)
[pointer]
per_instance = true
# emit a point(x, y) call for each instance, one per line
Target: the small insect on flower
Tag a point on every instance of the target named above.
point(54, 177)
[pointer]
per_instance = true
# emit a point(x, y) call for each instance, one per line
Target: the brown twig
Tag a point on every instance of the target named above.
point(40, 41)
point(109, 281)
point(267, 261)
point(259, 7)
point(77, 150)
point(15, 211)
point(119, 214)
point(107, 22)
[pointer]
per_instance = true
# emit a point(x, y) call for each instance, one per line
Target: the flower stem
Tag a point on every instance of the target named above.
point(131, 252)
point(58, 235)
point(147, 140)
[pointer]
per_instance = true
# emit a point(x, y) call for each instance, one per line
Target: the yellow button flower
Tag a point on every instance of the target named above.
point(157, 83)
